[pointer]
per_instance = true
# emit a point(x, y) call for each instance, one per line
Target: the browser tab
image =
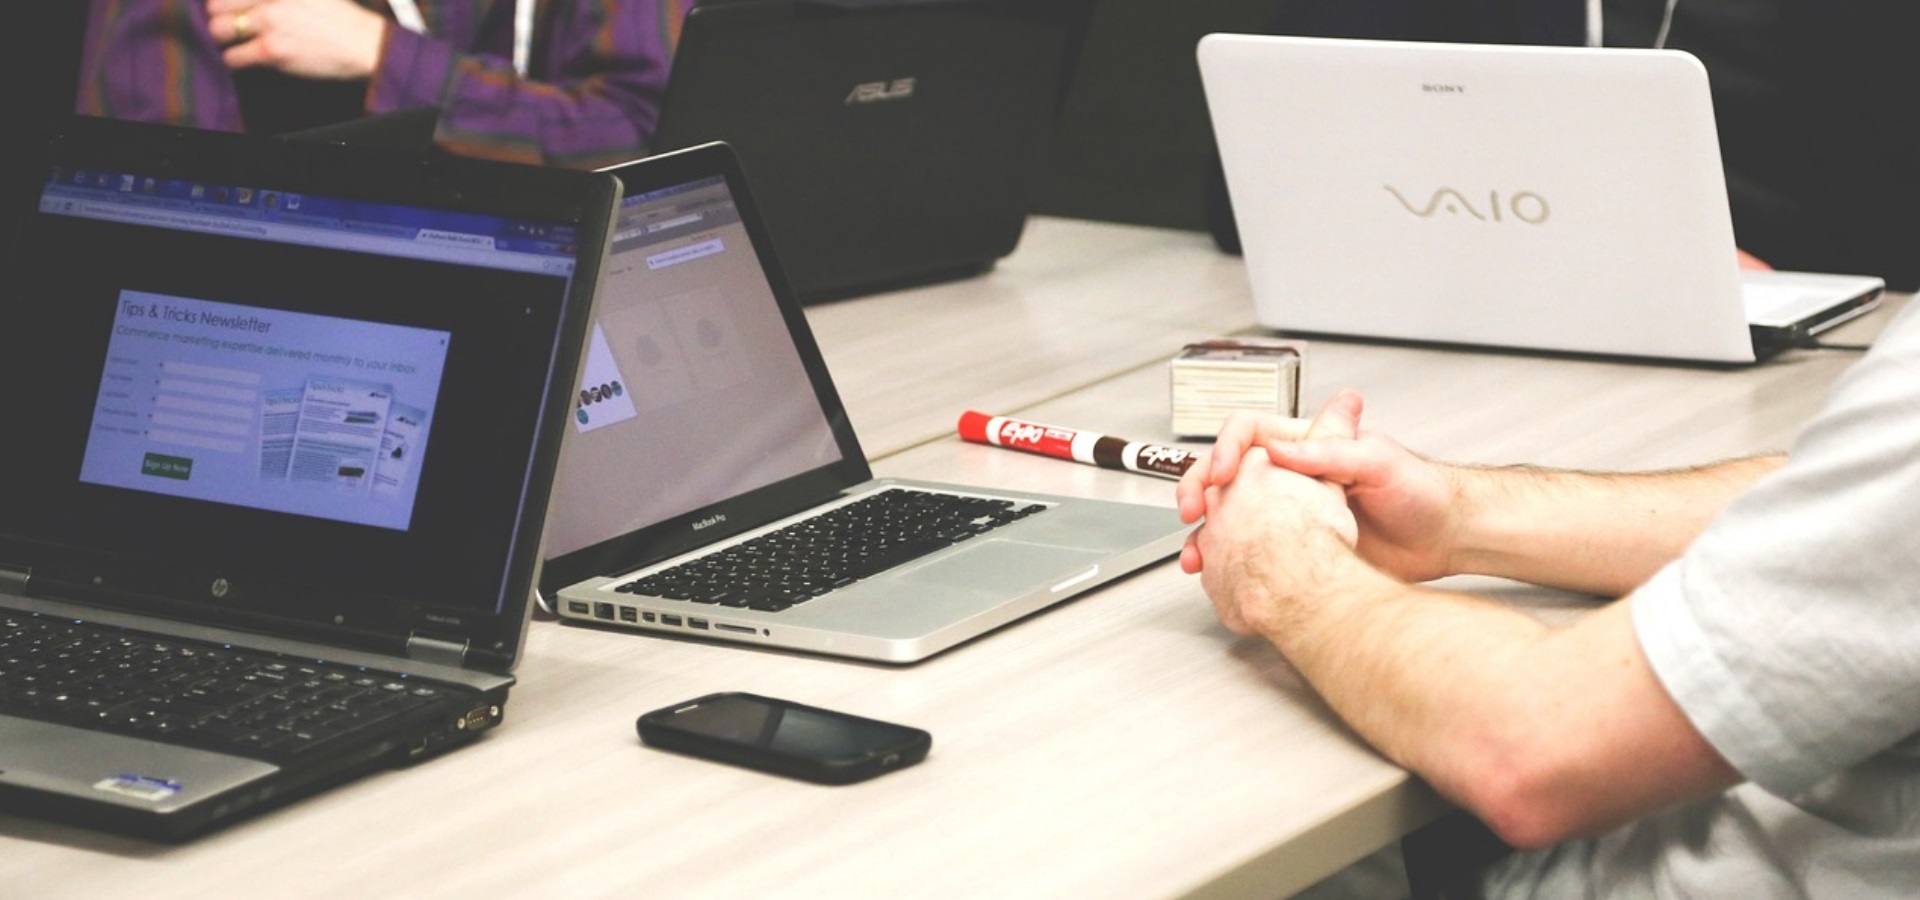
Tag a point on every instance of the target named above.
point(455, 239)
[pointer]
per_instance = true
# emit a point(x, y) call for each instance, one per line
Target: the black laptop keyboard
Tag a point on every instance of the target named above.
point(205, 695)
point(842, 545)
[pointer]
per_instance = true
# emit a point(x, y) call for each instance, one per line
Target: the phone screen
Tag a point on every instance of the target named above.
point(786, 728)
point(785, 737)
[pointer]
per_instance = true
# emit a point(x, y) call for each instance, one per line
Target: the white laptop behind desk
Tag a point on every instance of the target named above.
point(1547, 198)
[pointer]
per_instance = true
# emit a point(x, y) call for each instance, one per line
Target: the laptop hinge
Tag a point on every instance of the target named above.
point(436, 650)
point(13, 580)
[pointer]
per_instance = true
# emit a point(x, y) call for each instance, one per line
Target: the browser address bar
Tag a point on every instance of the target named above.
point(177, 220)
point(301, 234)
point(657, 227)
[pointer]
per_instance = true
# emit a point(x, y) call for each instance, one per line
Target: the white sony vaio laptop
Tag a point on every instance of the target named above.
point(711, 485)
point(1549, 198)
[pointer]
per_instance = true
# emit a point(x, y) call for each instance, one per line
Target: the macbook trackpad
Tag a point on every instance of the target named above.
point(1003, 566)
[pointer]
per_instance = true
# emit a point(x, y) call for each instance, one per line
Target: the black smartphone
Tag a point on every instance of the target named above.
point(784, 737)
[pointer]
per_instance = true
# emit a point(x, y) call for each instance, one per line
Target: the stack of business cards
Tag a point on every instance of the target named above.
point(1214, 378)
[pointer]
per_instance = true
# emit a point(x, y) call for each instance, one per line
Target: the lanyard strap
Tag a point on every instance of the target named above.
point(523, 35)
point(1595, 27)
point(407, 13)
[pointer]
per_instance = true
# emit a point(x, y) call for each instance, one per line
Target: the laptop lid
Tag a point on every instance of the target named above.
point(892, 142)
point(698, 340)
point(1553, 198)
point(405, 129)
point(300, 390)
point(707, 417)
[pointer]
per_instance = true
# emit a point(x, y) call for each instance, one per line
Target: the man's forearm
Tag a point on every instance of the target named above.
point(1543, 733)
point(1598, 533)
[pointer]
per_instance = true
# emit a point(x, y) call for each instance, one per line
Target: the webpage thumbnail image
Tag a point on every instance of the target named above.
point(265, 408)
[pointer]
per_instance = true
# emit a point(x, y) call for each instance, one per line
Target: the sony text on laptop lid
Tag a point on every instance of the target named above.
point(890, 142)
point(707, 416)
point(293, 407)
point(1552, 198)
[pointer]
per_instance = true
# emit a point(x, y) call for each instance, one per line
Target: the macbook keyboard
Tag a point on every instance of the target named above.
point(838, 547)
point(206, 695)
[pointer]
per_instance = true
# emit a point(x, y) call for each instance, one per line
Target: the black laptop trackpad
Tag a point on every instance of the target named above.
point(1003, 566)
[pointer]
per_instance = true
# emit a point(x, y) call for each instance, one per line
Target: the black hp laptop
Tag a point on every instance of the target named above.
point(890, 141)
point(712, 486)
point(285, 422)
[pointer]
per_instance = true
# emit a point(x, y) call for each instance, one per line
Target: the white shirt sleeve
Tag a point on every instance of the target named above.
point(1789, 632)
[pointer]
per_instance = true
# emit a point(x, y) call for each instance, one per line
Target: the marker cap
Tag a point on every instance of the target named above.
point(973, 426)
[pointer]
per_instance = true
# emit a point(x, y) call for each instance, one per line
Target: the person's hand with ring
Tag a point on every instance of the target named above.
point(325, 39)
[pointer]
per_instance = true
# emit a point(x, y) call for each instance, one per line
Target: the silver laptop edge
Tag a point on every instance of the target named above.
point(920, 620)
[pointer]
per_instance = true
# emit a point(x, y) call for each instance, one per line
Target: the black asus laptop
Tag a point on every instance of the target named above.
point(891, 141)
point(711, 485)
point(285, 422)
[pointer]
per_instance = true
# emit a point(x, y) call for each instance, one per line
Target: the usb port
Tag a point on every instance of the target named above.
point(697, 623)
point(629, 614)
point(580, 607)
point(670, 620)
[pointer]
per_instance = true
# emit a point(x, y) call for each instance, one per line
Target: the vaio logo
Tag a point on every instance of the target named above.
point(1525, 206)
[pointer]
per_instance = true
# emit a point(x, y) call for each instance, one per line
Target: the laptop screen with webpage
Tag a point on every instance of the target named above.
point(693, 389)
point(713, 486)
point(261, 402)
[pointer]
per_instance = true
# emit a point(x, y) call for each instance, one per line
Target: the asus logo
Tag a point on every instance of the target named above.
point(709, 522)
point(1525, 206)
point(1444, 88)
point(880, 91)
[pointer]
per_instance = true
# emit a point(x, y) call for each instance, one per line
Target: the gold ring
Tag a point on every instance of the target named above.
point(242, 27)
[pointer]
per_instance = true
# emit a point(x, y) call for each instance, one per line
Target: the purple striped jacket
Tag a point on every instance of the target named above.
point(592, 95)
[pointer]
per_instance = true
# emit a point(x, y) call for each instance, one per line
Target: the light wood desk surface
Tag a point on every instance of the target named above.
point(1077, 303)
point(1123, 745)
point(1265, 833)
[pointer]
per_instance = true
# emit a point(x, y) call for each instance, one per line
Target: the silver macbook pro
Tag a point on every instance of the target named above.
point(712, 485)
point(1548, 198)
